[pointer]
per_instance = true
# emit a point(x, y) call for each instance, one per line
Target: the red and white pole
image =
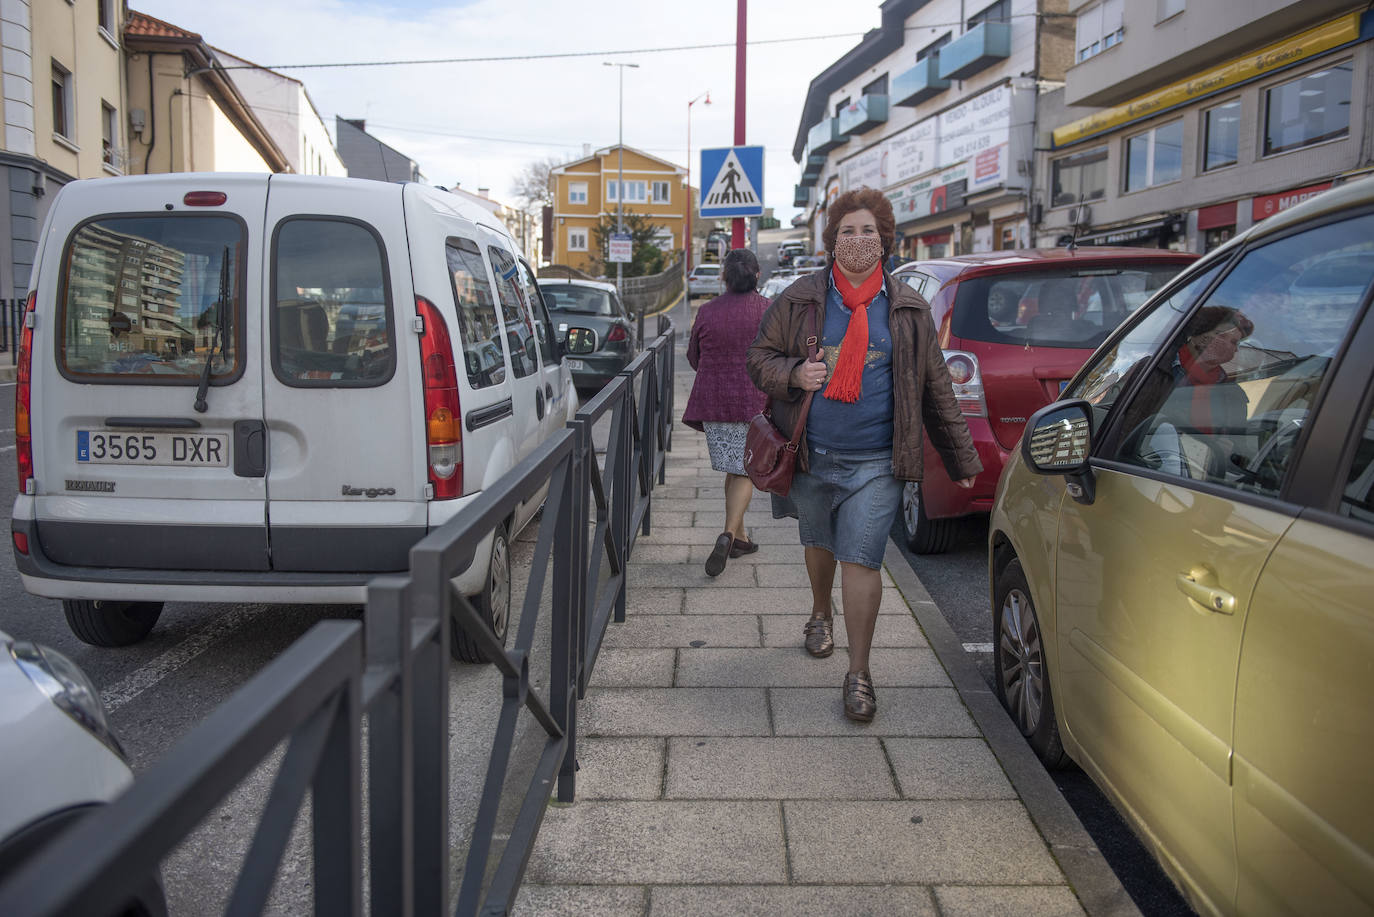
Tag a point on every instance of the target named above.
point(741, 28)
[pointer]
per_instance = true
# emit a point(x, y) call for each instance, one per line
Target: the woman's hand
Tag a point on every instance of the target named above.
point(966, 483)
point(808, 376)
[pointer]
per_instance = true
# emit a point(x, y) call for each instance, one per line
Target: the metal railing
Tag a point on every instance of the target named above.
point(11, 312)
point(393, 669)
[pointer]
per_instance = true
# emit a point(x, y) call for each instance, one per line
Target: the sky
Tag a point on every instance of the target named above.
point(478, 124)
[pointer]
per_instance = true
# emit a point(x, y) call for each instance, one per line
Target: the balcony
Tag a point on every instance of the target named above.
point(825, 136)
point(978, 48)
point(864, 114)
point(801, 196)
point(921, 82)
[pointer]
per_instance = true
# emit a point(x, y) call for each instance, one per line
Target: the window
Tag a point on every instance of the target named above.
point(62, 101)
point(877, 88)
point(1155, 157)
point(1311, 109)
point(479, 329)
point(515, 313)
point(662, 239)
point(1221, 135)
point(1166, 9)
point(662, 192)
point(998, 12)
point(331, 319)
point(1082, 176)
point(1228, 397)
point(577, 239)
point(178, 283)
point(1357, 500)
point(842, 105)
point(577, 192)
point(543, 327)
point(1099, 28)
point(109, 135)
point(933, 47)
point(636, 192)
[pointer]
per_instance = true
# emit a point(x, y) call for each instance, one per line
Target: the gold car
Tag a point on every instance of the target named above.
point(1182, 567)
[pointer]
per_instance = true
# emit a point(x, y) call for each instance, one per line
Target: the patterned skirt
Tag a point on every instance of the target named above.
point(725, 442)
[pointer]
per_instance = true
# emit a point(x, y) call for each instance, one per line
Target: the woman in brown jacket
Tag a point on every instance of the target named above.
point(884, 378)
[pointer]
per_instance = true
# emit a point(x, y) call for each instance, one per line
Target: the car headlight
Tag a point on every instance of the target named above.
point(68, 688)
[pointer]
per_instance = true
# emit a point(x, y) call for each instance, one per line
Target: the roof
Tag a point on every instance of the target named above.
point(559, 170)
point(143, 25)
point(574, 282)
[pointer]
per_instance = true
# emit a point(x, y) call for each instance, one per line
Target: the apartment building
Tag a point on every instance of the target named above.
point(367, 157)
point(62, 103)
point(937, 108)
point(588, 189)
point(1182, 122)
point(285, 109)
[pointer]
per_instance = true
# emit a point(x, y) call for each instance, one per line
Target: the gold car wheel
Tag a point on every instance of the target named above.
point(1023, 677)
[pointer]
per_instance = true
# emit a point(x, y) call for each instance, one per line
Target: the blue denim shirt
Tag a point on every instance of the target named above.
point(866, 424)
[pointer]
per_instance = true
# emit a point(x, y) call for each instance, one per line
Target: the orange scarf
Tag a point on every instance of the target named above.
point(846, 382)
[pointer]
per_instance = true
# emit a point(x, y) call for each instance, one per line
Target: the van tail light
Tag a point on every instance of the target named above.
point(968, 383)
point(23, 431)
point(443, 418)
point(617, 335)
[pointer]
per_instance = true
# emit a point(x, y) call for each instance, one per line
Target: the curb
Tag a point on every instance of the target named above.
point(7, 373)
point(1097, 887)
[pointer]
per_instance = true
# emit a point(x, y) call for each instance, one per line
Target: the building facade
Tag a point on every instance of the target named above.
point(587, 189)
point(1183, 122)
point(367, 157)
point(937, 108)
point(287, 112)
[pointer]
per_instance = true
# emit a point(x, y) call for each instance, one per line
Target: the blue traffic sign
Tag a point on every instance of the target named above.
point(734, 182)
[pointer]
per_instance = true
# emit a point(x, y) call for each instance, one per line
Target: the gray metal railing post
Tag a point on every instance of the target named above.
point(622, 499)
point(337, 811)
point(431, 666)
point(391, 750)
point(567, 631)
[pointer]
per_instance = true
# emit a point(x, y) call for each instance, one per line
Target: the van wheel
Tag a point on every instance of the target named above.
point(492, 603)
point(102, 623)
point(923, 534)
point(1022, 674)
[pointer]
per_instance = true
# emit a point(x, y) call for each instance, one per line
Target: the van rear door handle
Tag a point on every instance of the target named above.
point(250, 449)
point(1198, 586)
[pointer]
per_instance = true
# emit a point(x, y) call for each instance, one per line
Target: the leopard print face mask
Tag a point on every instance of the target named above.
point(857, 254)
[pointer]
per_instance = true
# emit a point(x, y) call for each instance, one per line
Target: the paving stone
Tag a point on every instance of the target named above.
point(684, 631)
point(891, 630)
point(681, 517)
point(947, 769)
point(1007, 901)
point(927, 842)
point(580, 901)
point(901, 712)
point(634, 668)
point(777, 768)
point(791, 901)
point(762, 518)
point(794, 667)
point(740, 575)
point(677, 534)
point(620, 768)
point(674, 712)
point(647, 553)
point(793, 601)
point(620, 843)
point(790, 553)
point(646, 600)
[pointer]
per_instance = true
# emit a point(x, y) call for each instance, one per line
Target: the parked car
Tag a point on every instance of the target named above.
point(705, 280)
point(789, 250)
point(775, 284)
point(329, 369)
point(717, 244)
point(1015, 325)
point(599, 336)
point(59, 759)
point(1182, 552)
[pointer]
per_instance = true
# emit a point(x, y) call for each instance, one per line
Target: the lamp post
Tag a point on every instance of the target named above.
point(687, 238)
point(620, 179)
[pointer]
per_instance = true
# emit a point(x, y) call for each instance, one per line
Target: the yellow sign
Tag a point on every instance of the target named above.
point(1314, 41)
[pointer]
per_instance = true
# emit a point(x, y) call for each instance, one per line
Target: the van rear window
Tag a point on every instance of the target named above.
point(331, 306)
point(152, 298)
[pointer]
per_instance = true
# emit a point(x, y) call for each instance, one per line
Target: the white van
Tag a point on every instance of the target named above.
point(267, 388)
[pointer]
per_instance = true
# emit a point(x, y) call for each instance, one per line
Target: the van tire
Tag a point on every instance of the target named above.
point(492, 603)
point(105, 623)
point(924, 535)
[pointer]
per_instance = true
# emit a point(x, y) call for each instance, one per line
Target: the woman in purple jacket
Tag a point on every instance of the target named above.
point(723, 400)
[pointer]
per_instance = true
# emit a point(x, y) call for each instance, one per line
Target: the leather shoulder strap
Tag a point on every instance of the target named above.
point(813, 343)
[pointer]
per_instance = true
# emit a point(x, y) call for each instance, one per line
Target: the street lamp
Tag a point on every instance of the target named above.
point(687, 239)
point(620, 179)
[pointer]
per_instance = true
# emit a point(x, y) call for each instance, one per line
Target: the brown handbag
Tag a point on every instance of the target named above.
point(769, 458)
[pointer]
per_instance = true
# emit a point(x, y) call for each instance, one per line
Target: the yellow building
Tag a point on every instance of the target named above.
point(587, 189)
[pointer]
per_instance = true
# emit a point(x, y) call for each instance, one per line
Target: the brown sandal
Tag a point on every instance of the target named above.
point(820, 636)
point(860, 700)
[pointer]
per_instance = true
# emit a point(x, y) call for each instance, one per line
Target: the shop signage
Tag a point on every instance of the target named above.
point(979, 124)
point(868, 169)
point(912, 152)
point(935, 193)
point(1270, 204)
point(1272, 57)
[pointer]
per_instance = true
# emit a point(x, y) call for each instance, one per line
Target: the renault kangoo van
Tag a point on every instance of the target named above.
point(267, 388)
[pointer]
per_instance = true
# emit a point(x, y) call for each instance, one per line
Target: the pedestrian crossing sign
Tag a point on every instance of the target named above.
point(736, 182)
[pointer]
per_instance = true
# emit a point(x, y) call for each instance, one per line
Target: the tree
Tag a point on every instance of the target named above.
point(534, 184)
point(647, 257)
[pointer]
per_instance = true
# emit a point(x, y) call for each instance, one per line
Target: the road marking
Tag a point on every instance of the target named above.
point(5, 448)
point(978, 647)
point(146, 676)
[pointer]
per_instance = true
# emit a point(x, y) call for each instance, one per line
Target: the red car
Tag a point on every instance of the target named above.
point(1015, 326)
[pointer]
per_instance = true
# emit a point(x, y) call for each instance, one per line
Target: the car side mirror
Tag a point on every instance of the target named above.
point(581, 340)
point(1058, 440)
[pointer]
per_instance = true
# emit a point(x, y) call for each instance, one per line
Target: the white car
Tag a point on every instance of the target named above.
point(59, 759)
point(705, 280)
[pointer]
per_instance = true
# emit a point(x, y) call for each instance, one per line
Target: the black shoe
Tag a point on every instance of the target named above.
point(716, 562)
point(741, 548)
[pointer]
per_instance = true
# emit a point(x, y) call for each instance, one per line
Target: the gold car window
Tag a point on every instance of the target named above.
point(1357, 501)
point(1226, 400)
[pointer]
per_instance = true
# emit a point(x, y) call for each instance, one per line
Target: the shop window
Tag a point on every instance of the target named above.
point(1155, 157)
point(1081, 176)
point(1099, 28)
point(1311, 109)
point(1215, 237)
point(1221, 135)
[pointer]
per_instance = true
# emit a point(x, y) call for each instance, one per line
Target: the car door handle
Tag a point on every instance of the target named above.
point(1213, 598)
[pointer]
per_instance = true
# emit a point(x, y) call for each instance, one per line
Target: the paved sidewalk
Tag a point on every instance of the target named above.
point(719, 775)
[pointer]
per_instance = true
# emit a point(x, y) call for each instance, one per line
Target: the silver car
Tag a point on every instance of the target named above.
point(705, 280)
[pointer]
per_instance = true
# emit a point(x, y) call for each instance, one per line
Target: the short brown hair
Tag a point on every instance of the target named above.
point(865, 198)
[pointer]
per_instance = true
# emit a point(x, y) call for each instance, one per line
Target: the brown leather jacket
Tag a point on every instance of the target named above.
point(921, 388)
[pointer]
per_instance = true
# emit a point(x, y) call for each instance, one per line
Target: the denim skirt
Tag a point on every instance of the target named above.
point(846, 503)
